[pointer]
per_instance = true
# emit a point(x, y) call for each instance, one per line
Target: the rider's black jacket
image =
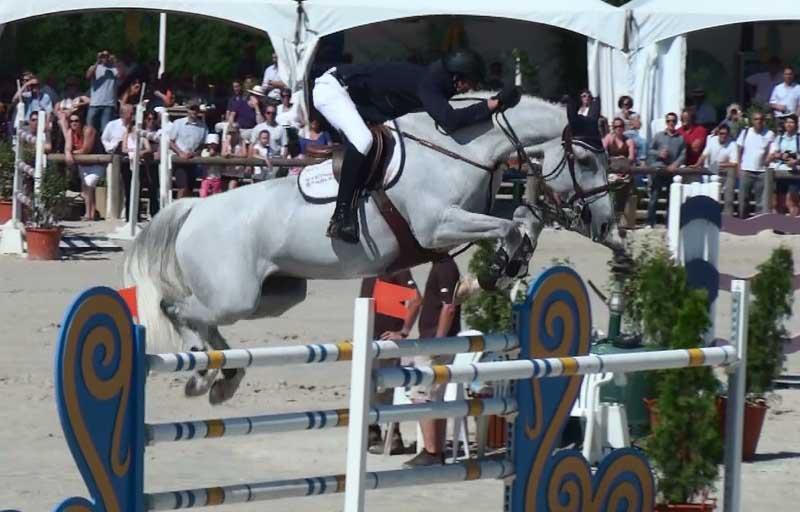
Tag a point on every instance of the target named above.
point(385, 91)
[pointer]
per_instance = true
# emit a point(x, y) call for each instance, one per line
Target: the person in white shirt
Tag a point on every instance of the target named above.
point(288, 114)
point(112, 137)
point(277, 134)
point(272, 80)
point(761, 84)
point(785, 97)
point(783, 156)
point(721, 152)
point(754, 143)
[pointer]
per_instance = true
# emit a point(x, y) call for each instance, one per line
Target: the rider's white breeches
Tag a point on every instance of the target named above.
point(333, 102)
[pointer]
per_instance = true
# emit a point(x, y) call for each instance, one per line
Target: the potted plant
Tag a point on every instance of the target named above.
point(6, 180)
point(43, 233)
point(771, 290)
point(685, 444)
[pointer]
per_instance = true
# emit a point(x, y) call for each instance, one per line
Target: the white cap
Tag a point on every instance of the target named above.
point(212, 138)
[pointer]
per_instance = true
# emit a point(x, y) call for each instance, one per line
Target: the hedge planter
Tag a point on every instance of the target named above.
point(43, 243)
point(5, 210)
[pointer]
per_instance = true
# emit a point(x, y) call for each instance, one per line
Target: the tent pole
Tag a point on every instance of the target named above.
point(162, 43)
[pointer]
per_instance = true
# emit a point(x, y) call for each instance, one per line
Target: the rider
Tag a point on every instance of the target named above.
point(349, 95)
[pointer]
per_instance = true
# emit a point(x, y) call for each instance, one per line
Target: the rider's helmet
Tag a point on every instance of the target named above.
point(464, 65)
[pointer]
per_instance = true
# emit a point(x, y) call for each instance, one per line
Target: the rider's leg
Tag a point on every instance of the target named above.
point(333, 102)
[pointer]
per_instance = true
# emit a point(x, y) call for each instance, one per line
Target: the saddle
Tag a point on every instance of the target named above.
point(377, 159)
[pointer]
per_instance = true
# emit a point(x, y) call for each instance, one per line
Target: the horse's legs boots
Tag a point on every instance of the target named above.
point(344, 223)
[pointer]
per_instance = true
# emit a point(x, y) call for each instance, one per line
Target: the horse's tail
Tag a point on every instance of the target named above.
point(152, 267)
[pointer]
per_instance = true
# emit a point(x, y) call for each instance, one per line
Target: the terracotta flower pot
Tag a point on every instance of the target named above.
point(708, 506)
point(754, 415)
point(5, 210)
point(43, 243)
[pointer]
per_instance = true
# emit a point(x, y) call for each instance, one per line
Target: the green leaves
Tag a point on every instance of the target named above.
point(772, 304)
point(6, 169)
point(487, 311)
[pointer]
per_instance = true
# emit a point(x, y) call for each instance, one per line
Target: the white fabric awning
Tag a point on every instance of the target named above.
point(592, 18)
point(656, 20)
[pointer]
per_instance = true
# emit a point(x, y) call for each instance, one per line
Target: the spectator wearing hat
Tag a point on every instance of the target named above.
point(705, 113)
point(783, 156)
point(785, 97)
point(733, 116)
point(186, 139)
point(212, 174)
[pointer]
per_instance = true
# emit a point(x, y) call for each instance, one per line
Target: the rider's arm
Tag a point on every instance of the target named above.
point(437, 105)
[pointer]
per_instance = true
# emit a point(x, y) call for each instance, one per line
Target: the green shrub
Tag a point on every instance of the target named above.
point(772, 304)
point(50, 204)
point(6, 169)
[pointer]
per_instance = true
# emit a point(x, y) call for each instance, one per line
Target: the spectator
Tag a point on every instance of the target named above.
point(287, 113)
point(732, 119)
point(263, 150)
point(186, 140)
point(586, 103)
point(112, 137)
point(32, 98)
point(163, 95)
point(239, 109)
point(129, 149)
point(753, 145)
point(234, 146)
point(131, 91)
point(103, 76)
point(151, 159)
point(638, 141)
point(315, 136)
point(439, 317)
point(783, 156)
point(277, 134)
point(392, 322)
point(494, 81)
point(762, 84)
point(785, 97)
point(693, 135)
point(625, 105)
point(706, 114)
point(212, 175)
point(81, 139)
point(617, 145)
point(272, 79)
point(73, 98)
point(668, 152)
point(33, 126)
point(721, 152)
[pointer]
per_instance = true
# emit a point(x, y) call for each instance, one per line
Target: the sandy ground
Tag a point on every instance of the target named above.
point(37, 471)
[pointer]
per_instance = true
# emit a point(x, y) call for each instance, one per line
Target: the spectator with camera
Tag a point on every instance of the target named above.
point(33, 98)
point(783, 156)
point(103, 76)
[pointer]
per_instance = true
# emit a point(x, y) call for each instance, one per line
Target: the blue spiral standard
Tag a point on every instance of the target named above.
point(100, 399)
point(555, 321)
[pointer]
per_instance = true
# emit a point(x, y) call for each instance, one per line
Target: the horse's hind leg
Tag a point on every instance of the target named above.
point(224, 388)
point(197, 340)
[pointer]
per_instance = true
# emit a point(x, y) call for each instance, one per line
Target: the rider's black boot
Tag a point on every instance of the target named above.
point(344, 222)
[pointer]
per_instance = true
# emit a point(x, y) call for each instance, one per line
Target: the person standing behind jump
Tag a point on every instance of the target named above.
point(350, 96)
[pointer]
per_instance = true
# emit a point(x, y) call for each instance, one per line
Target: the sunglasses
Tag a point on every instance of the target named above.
point(619, 126)
point(74, 120)
point(270, 112)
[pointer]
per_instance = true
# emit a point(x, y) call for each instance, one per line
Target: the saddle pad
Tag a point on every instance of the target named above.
point(317, 184)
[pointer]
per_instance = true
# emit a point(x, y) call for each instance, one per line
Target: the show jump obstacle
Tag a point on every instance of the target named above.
point(101, 367)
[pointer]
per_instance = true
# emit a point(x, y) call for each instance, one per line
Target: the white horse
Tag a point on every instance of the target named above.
point(249, 252)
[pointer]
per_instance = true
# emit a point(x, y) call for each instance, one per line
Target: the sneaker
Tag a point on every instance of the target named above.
point(424, 458)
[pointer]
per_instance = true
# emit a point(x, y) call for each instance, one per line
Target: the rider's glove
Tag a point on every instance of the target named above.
point(509, 97)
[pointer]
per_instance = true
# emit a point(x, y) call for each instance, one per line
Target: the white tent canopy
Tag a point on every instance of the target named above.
point(657, 20)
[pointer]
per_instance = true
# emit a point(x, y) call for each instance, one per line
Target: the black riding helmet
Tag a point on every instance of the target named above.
point(465, 65)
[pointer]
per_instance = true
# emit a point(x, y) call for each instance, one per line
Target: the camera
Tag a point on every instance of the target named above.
point(789, 155)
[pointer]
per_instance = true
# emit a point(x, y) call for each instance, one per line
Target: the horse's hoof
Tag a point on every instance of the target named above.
point(196, 386)
point(224, 388)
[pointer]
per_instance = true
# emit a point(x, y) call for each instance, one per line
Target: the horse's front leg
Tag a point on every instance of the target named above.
point(458, 226)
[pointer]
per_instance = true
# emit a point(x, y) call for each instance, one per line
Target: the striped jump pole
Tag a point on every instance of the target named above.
point(325, 353)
